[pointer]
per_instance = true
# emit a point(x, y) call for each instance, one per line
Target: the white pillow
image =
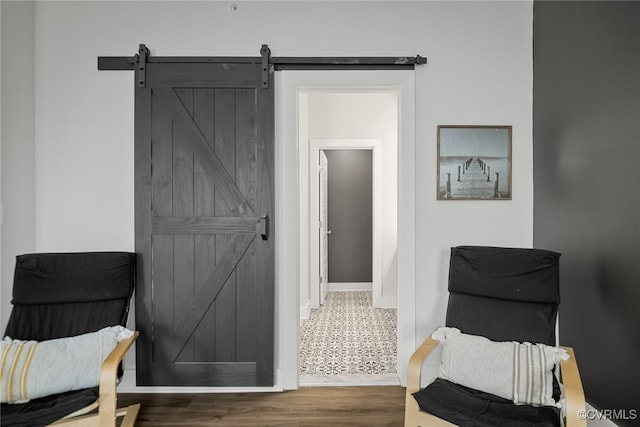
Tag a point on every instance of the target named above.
point(32, 369)
point(521, 372)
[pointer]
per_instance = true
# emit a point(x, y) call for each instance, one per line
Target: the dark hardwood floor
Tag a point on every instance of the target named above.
point(378, 406)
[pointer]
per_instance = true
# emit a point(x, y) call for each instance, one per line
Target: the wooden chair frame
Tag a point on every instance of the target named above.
point(573, 391)
point(106, 403)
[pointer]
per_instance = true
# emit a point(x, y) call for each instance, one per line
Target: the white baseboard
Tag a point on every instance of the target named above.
point(386, 302)
point(356, 286)
point(349, 380)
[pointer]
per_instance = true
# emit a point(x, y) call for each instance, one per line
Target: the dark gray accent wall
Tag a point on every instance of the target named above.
point(350, 201)
point(586, 136)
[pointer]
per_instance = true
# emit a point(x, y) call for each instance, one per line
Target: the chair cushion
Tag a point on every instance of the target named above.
point(44, 411)
point(513, 274)
point(521, 372)
point(68, 294)
point(40, 322)
point(502, 320)
point(504, 294)
point(472, 408)
point(48, 278)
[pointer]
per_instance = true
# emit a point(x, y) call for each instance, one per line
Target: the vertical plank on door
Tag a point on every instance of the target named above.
point(204, 205)
point(246, 180)
point(265, 250)
point(225, 149)
point(183, 192)
point(161, 177)
point(162, 246)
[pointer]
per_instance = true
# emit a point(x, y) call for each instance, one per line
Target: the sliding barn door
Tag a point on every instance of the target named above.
point(204, 219)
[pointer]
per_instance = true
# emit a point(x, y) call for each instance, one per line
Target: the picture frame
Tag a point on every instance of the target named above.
point(474, 162)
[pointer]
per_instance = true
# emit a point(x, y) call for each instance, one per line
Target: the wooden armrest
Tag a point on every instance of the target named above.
point(414, 370)
point(117, 354)
point(573, 391)
point(106, 416)
point(108, 379)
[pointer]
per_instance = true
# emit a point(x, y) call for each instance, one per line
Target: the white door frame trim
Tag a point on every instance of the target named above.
point(287, 219)
point(315, 146)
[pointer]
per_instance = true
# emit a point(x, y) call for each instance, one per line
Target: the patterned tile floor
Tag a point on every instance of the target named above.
point(348, 340)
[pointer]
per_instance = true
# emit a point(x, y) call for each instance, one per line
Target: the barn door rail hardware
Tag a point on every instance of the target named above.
point(141, 57)
point(265, 56)
point(139, 62)
point(347, 63)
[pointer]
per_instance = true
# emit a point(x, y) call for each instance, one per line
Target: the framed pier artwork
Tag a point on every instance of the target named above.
point(474, 162)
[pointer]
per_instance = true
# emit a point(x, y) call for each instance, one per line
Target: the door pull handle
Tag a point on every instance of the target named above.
point(263, 227)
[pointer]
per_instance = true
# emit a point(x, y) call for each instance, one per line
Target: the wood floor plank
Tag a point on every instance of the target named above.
point(378, 406)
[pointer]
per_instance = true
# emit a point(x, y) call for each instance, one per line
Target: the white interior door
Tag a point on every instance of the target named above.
point(324, 226)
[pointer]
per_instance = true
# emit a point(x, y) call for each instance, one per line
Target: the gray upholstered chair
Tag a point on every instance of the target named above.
point(67, 295)
point(508, 296)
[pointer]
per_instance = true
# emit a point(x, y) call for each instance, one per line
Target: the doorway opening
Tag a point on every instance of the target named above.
point(345, 219)
point(292, 221)
point(352, 337)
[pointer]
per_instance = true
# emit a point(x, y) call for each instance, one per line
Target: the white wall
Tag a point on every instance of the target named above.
point(18, 139)
point(479, 72)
